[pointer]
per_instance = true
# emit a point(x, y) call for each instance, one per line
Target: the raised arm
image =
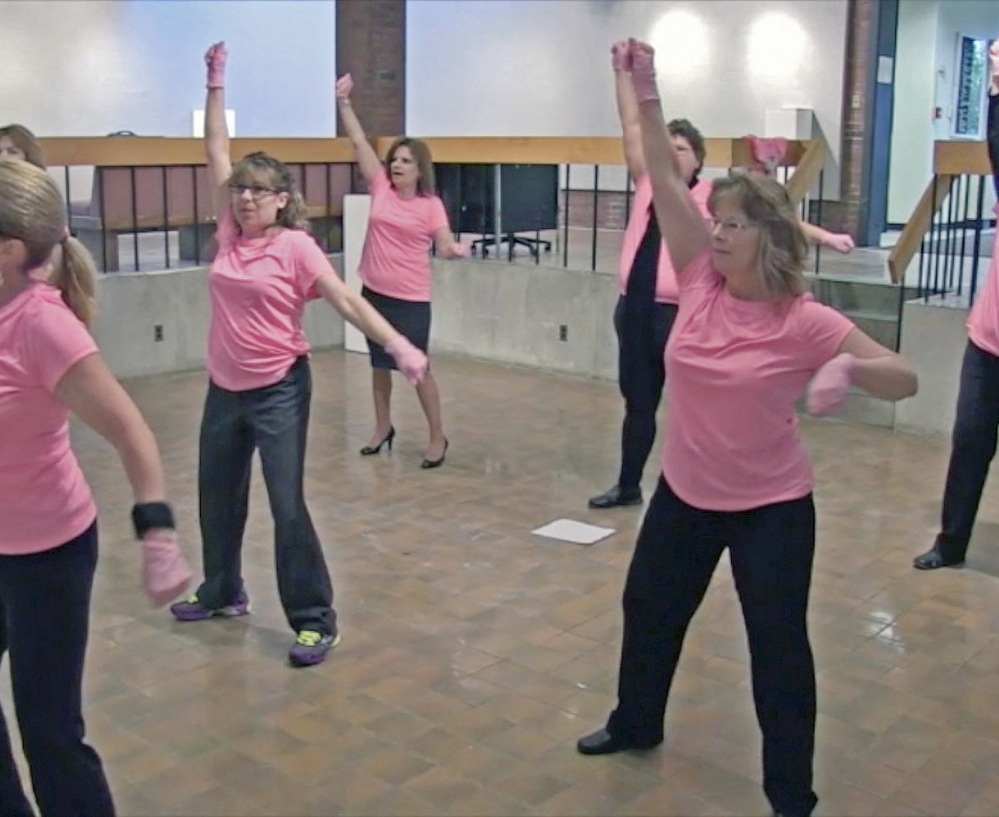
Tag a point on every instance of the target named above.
point(683, 228)
point(216, 130)
point(627, 109)
point(992, 125)
point(367, 160)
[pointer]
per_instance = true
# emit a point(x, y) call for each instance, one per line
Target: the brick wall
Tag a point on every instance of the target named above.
point(610, 208)
point(860, 28)
point(371, 45)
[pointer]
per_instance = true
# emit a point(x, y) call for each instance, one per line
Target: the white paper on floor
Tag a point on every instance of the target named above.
point(569, 530)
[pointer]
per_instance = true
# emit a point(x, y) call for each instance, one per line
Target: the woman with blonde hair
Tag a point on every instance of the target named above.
point(17, 142)
point(49, 366)
point(748, 339)
point(406, 215)
point(260, 383)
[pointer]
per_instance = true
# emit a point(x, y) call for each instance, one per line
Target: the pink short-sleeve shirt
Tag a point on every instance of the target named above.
point(638, 221)
point(735, 370)
point(259, 288)
point(983, 320)
point(44, 499)
point(395, 260)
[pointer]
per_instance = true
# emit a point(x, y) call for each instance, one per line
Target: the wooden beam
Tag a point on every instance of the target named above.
point(916, 227)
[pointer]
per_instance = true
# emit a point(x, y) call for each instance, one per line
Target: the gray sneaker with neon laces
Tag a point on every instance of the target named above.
point(310, 648)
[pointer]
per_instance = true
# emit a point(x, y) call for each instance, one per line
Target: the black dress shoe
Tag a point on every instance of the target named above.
point(933, 559)
point(603, 742)
point(616, 497)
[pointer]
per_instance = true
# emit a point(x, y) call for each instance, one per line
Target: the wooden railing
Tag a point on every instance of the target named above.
point(144, 151)
point(152, 183)
point(950, 160)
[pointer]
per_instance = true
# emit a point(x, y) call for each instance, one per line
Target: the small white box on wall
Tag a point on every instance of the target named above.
point(789, 123)
point(198, 122)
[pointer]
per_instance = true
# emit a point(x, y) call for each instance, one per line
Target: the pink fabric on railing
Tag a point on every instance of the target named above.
point(769, 152)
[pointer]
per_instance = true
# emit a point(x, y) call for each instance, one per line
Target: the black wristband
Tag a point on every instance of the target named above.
point(149, 515)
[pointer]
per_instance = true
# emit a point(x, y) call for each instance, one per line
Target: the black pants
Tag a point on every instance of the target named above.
point(273, 420)
point(771, 550)
point(973, 447)
point(642, 331)
point(44, 619)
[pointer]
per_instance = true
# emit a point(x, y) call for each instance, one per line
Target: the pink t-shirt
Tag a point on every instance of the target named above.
point(259, 288)
point(983, 321)
point(44, 499)
point(638, 222)
point(735, 369)
point(396, 256)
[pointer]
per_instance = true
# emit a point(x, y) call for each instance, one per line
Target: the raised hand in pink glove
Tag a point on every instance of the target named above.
point(620, 56)
point(344, 85)
point(643, 70)
point(830, 385)
point(841, 242)
point(411, 361)
point(215, 60)
point(165, 574)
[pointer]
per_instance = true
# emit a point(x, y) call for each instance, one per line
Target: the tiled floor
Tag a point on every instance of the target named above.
point(475, 653)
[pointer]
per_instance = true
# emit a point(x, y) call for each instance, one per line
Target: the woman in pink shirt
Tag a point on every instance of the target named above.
point(976, 424)
point(406, 215)
point(746, 342)
point(646, 308)
point(266, 269)
point(49, 366)
point(17, 142)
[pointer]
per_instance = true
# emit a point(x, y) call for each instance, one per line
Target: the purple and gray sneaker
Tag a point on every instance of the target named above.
point(190, 609)
point(310, 648)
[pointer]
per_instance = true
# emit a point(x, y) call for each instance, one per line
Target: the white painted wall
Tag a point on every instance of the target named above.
point(91, 68)
point(542, 68)
point(912, 123)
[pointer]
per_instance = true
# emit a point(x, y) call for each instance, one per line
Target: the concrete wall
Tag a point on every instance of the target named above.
point(513, 314)
point(933, 339)
point(507, 313)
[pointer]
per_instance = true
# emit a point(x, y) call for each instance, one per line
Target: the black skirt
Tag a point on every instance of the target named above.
point(410, 318)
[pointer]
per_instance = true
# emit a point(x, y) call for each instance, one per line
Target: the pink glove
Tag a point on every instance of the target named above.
point(620, 56)
point(215, 60)
point(344, 85)
point(643, 71)
point(410, 360)
point(828, 389)
point(165, 574)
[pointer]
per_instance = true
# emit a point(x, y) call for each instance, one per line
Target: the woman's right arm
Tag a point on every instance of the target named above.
point(367, 160)
point(216, 130)
point(684, 229)
point(627, 110)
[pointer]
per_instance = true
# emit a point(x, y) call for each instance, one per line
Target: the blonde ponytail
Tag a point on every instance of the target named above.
point(74, 273)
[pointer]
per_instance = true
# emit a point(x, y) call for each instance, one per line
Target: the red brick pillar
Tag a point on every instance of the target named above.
point(860, 28)
point(371, 45)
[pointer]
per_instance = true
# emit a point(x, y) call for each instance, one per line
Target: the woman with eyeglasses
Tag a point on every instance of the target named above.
point(406, 215)
point(747, 341)
point(266, 269)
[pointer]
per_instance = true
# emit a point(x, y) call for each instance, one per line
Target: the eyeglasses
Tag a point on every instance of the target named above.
point(257, 191)
point(729, 226)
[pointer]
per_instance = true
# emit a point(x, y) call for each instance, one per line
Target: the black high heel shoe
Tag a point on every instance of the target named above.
point(368, 450)
point(438, 462)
